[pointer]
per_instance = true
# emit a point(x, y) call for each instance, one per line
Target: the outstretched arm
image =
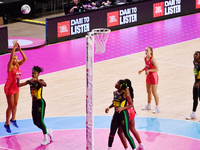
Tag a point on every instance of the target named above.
point(23, 55)
point(107, 109)
point(23, 83)
point(10, 63)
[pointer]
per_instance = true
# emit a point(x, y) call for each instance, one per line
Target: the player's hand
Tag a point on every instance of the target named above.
point(33, 80)
point(119, 109)
point(139, 72)
point(106, 110)
point(197, 84)
point(147, 72)
point(15, 43)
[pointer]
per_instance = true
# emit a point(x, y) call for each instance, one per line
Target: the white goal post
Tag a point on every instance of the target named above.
point(95, 41)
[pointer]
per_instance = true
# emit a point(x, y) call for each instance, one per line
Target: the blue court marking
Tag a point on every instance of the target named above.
point(189, 129)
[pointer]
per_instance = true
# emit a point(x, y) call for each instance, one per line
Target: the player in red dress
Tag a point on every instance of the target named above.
point(151, 69)
point(11, 89)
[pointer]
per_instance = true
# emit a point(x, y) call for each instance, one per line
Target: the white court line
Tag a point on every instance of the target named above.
point(164, 62)
point(5, 148)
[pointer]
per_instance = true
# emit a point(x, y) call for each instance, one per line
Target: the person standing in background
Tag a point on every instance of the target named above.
point(196, 91)
point(151, 69)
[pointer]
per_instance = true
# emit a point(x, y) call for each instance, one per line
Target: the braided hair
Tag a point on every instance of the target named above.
point(128, 82)
point(38, 69)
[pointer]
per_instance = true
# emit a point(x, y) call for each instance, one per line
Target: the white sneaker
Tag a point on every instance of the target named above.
point(192, 116)
point(157, 110)
point(147, 107)
point(49, 132)
point(45, 142)
point(140, 147)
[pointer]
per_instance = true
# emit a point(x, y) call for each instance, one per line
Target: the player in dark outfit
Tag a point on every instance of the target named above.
point(120, 117)
point(196, 91)
point(38, 103)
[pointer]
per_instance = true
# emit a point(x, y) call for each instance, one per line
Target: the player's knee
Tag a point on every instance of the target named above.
point(10, 107)
point(36, 122)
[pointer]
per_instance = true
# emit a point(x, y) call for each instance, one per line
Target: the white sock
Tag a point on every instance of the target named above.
point(149, 104)
point(193, 112)
point(126, 148)
point(109, 148)
point(157, 107)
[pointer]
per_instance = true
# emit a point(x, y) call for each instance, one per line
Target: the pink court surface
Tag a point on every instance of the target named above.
point(67, 139)
point(69, 132)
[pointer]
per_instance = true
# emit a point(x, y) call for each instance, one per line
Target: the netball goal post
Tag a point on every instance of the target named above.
point(95, 41)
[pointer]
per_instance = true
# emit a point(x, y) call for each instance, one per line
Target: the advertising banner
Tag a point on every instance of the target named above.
point(116, 17)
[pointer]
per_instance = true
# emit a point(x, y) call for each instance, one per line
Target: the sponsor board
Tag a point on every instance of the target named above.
point(73, 27)
point(121, 17)
point(165, 8)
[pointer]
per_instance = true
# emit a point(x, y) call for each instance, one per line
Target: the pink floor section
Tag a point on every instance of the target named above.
point(76, 140)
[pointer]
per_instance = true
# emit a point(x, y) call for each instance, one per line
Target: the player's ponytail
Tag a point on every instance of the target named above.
point(128, 82)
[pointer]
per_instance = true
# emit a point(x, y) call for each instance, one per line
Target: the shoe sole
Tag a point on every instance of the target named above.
point(146, 109)
point(189, 118)
point(45, 144)
point(156, 112)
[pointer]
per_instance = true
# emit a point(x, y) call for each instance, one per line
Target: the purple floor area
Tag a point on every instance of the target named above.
point(71, 54)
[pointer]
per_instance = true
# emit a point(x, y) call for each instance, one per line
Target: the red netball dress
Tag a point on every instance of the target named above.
point(131, 112)
point(11, 87)
point(152, 77)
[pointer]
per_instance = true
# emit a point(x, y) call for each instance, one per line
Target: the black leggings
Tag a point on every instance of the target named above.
point(38, 110)
point(196, 95)
point(118, 119)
